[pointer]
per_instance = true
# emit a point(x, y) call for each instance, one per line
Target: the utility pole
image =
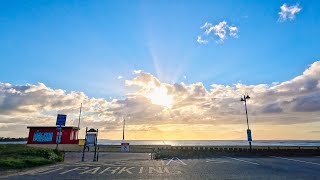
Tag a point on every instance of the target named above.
point(79, 121)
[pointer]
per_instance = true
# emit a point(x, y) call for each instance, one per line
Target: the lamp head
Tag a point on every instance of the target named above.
point(247, 97)
point(242, 99)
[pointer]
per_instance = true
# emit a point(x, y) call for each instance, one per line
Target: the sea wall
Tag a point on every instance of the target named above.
point(207, 151)
point(61, 147)
point(101, 148)
point(166, 151)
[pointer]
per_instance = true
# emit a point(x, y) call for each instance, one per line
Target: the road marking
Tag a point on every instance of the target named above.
point(77, 168)
point(174, 159)
point(50, 171)
point(38, 171)
point(141, 170)
point(241, 160)
point(91, 171)
point(216, 161)
point(126, 170)
point(109, 169)
point(307, 162)
point(158, 170)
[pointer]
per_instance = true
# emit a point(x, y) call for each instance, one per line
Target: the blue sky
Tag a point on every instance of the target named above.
point(85, 46)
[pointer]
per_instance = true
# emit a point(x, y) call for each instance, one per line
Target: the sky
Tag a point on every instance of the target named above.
point(173, 69)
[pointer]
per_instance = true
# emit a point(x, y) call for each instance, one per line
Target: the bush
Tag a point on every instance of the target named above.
point(22, 156)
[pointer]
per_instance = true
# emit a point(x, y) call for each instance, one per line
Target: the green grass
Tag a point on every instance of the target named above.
point(17, 156)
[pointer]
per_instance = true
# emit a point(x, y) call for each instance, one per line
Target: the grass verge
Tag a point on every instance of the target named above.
point(17, 156)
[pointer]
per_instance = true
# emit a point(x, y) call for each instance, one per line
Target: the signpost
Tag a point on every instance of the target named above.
point(61, 121)
point(125, 147)
point(91, 139)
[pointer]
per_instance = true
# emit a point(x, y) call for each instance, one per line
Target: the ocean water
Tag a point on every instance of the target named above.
point(214, 142)
point(204, 142)
point(14, 142)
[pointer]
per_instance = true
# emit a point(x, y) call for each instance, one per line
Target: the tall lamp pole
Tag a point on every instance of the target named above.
point(245, 98)
point(124, 124)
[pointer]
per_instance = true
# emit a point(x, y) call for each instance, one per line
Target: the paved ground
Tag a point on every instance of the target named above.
point(139, 166)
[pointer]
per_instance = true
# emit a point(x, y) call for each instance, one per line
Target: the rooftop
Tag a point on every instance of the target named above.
point(63, 127)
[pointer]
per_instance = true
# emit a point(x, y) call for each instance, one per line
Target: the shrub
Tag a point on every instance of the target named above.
point(22, 156)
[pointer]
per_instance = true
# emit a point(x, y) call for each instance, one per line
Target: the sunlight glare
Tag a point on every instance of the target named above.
point(159, 96)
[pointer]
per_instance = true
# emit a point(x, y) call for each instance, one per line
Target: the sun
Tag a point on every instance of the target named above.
point(159, 96)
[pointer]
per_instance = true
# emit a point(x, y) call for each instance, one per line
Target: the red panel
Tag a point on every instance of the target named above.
point(65, 139)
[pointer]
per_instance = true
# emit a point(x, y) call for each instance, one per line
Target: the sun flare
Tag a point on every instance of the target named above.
point(159, 96)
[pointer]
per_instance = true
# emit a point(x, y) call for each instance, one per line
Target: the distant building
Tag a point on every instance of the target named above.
point(50, 134)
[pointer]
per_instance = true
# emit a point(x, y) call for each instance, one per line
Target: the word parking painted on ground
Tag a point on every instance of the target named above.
point(112, 170)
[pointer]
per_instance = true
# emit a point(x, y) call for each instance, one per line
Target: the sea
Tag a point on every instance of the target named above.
point(214, 142)
point(204, 142)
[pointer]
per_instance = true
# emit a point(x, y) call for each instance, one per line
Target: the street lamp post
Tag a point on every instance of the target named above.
point(244, 98)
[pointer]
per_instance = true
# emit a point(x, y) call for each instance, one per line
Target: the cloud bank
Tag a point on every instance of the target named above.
point(191, 105)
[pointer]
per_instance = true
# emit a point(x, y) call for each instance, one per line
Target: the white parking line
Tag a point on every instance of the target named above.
point(241, 160)
point(177, 160)
point(215, 161)
point(307, 162)
point(50, 171)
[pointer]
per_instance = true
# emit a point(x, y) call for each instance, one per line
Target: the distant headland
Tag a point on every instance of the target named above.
point(8, 139)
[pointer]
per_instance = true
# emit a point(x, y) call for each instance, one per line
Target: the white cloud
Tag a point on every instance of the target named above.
point(295, 101)
point(288, 12)
point(120, 77)
point(233, 31)
point(206, 25)
point(201, 41)
point(221, 31)
point(137, 71)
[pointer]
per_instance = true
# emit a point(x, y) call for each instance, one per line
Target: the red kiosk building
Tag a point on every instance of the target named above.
point(49, 134)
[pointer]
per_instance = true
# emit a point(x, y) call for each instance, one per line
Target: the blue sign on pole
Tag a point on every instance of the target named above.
point(249, 135)
point(61, 120)
point(58, 138)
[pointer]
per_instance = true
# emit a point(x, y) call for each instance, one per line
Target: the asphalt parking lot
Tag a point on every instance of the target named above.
point(139, 166)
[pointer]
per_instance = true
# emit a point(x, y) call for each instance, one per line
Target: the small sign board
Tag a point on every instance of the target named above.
point(125, 147)
point(91, 140)
point(61, 120)
point(249, 135)
point(58, 138)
